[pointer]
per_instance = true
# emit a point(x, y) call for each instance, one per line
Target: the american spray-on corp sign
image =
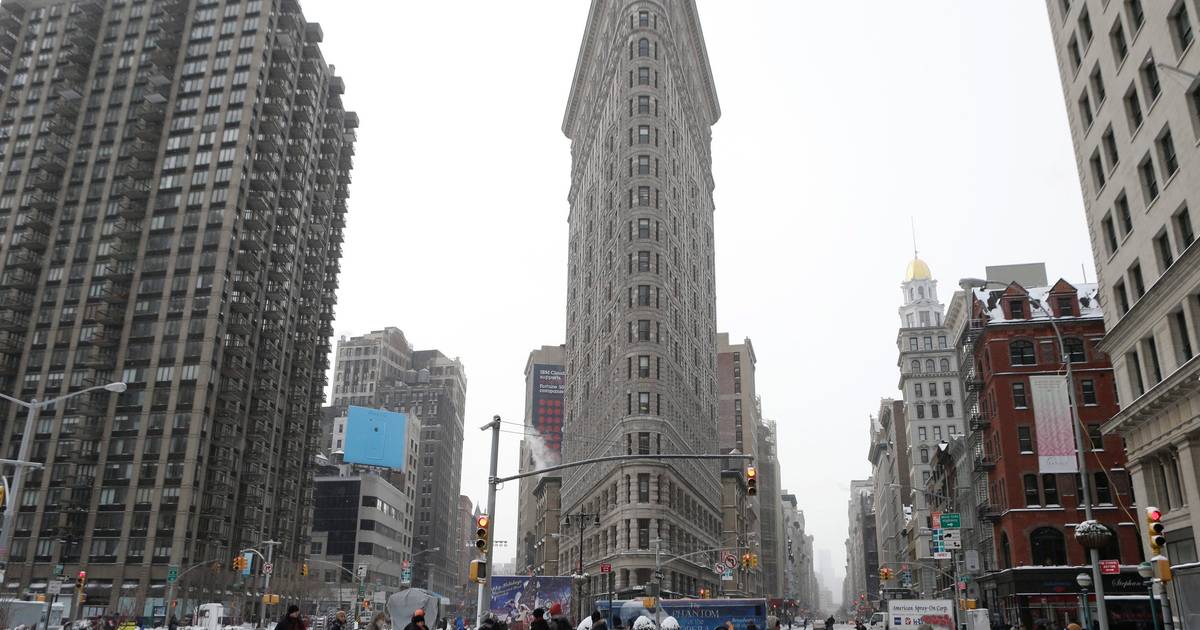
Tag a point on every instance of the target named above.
point(914, 613)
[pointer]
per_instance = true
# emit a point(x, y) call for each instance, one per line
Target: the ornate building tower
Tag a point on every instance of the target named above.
point(641, 313)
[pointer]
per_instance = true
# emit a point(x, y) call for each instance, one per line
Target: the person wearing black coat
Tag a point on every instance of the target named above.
point(291, 620)
point(539, 620)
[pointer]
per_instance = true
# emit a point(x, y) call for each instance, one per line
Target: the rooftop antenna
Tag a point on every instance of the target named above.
point(913, 223)
point(1083, 268)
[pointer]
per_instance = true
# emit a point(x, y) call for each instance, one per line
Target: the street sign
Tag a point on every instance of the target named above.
point(727, 575)
point(362, 572)
point(941, 555)
point(406, 576)
point(172, 574)
point(605, 567)
point(952, 539)
point(950, 521)
point(54, 587)
point(971, 560)
point(730, 560)
point(268, 568)
point(658, 575)
point(719, 568)
point(1110, 567)
point(58, 570)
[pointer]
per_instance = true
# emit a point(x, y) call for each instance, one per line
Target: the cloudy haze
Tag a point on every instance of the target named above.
point(841, 123)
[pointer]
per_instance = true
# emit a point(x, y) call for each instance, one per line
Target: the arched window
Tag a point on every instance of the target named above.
point(643, 47)
point(1112, 550)
point(1005, 552)
point(921, 291)
point(912, 295)
point(945, 364)
point(1048, 547)
point(916, 367)
point(929, 366)
point(1021, 353)
point(1073, 349)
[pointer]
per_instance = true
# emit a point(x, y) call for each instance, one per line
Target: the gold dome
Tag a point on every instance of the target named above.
point(917, 270)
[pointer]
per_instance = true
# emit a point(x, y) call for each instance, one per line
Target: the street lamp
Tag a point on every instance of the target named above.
point(1085, 581)
point(1146, 570)
point(22, 462)
point(967, 284)
point(581, 521)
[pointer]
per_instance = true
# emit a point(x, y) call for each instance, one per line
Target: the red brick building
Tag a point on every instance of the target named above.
point(1034, 514)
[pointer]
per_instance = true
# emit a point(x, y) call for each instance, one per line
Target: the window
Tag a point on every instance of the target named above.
point(916, 366)
point(1166, 153)
point(643, 525)
point(1073, 349)
point(1097, 81)
point(1103, 491)
point(643, 47)
point(1017, 309)
point(1136, 16)
point(643, 295)
point(643, 104)
point(643, 487)
point(1025, 439)
point(643, 19)
point(924, 454)
point(643, 75)
point(1133, 109)
point(1088, 386)
point(1183, 229)
point(944, 365)
point(1162, 247)
point(1076, 56)
point(1109, 140)
point(1085, 110)
point(912, 343)
point(928, 342)
point(917, 389)
point(1066, 307)
point(950, 414)
point(1095, 437)
point(1120, 46)
point(1110, 234)
point(920, 410)
point(1021, 353)
point(1149, 180)
point(1123, 213)
point(644, 366)
point(1085, 27)
point(1135, 277)
point(1018, 395)
point(643, 134)
point(1121, 296)
point(1050, 489)
point(644, 403)
point(1181, 28)
point(1150, 81)
point(1097, 166)
point(942, 341)
point(1032, 497)
point(921, 434)
point(1048, 547)
point(1179, 332)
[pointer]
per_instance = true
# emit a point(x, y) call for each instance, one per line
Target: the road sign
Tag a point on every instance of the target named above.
point(658, 575)
point(58, 570)
point(362, 572)
point(727, 575)
point(172, 574)
point(951, 521)
point(952, 539)
point(268, 568)
point(54, 587)
point(1110, 567)
point(730, 560)
point(941, 555)
point(406, 576)
point(719, 568)
point(971, 560)
point(605, 567)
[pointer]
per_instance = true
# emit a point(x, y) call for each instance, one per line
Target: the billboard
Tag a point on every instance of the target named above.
point(692, 614)
point(375, 437)
point(549, 387)
point(514, 597)
point(1052, 420)
point(914, 613)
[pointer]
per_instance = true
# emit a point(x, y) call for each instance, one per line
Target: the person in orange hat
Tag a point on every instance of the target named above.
point(418, 620)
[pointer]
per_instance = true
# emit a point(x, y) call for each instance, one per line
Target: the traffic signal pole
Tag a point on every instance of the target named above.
point(494, 425)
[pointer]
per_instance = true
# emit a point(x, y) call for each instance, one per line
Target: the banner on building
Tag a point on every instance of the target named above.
point(514, 597)
point(549, 388)
point(1052, 420)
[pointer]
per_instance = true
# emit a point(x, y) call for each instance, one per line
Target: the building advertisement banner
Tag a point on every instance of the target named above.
point(1052, 420)
point(514, 597)
point(549, 388)
point(917, 613)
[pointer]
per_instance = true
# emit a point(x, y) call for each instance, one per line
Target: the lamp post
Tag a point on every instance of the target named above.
point(22, 462)
point(1085, 581)
point(1146, 570)
point(581, 520)
point(429, 574)
point(967, 284)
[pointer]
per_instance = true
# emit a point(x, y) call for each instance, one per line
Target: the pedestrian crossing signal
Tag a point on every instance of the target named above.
point(478, 572)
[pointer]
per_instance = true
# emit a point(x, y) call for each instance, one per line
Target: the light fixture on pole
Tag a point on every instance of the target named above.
point(1085, 582)
point(1146, 570)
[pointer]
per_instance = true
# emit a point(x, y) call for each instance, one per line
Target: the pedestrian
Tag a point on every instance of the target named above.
point(1074, 626)
point(291, 619)
point(378, 622)
point(418, 620)
point(539, 621)
point(173, 623)
point(339, 621)
point(598, 622)
point(830, 622)
point(558, 621)
point(750, 625)
point(670, 623)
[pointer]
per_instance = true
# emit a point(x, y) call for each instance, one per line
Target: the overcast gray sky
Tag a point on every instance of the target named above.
point(841, 121)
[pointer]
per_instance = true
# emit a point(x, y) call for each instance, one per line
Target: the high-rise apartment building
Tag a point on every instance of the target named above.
point(1130, 81)
point(173, 195)
point(362, 363)
point(641, 313)
point(545, 380)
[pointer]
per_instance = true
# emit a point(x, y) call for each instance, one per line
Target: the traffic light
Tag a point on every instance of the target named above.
point(238, 564)
point(80, 580)
point(703, 593)
point(478, 572)
point(1154, 530)
point(304, 569)
point(366, 604)
point(483, 526)
point(3, 496)
point(751, 481)
point(754, 561)
point(885, 574)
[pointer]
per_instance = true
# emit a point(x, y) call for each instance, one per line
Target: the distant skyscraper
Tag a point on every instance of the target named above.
point(174, 190)
point(545, 372)
point(641, 312)
point(363, 362)
point(1133, 104)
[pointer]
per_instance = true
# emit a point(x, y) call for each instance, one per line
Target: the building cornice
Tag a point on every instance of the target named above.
point(1184, 381)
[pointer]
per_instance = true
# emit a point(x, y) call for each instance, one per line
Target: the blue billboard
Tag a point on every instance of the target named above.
point(375, 437)
point(515, 597)
point(694, 614)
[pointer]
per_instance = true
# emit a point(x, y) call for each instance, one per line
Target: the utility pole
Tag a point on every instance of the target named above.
point(494, 425)
point(262, 605)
